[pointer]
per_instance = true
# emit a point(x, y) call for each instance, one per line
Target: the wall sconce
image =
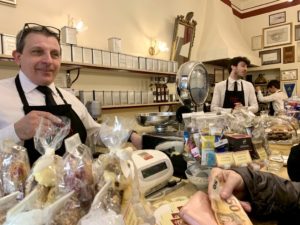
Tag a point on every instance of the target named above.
point(157, 47)
point(78, 24)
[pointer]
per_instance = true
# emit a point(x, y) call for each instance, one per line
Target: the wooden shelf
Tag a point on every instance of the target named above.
point(74, 66)
point(107, 107)
point(9, 61)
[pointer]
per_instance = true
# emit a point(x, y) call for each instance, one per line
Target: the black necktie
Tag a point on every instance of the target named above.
point(48, 95)
point(235, 86)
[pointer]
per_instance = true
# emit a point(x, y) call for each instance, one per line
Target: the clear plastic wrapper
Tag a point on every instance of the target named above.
point(28, 212)
point(42, 186)
point(240, 121)
point(77, 177)
point(14, 167)
point(6, 203)
point(117, 187)
point(281, 130)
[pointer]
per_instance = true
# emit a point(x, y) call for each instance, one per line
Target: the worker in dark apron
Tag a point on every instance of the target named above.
point(235, 97)
point(59, 110)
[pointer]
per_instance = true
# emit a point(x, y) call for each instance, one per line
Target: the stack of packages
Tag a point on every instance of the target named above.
point(72, 189)
point(226, 140)
point(14, 170)
point(118, 200)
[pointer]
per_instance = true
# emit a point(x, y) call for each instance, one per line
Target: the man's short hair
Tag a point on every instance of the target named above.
point(29, 28)
point(274, 83)
point(236, 60)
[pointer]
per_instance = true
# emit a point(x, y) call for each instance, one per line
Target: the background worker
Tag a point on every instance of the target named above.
point(276, 97)
point(235, 92)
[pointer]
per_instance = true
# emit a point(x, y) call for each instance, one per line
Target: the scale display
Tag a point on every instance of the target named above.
point(154, 169)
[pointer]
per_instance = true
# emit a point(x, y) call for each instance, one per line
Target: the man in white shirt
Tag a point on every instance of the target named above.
point(235, 92)
point(276, 97)
point(32, 94)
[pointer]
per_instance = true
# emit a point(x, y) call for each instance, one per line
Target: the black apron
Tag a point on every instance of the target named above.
point(232, 97)
point(59, 110)
point(271, 109)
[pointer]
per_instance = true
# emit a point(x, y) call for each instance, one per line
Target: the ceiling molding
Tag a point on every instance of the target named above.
point(261, 4)
point(260, 11)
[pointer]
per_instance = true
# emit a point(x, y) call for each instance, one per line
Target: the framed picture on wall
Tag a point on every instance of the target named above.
point(298, 15)
point(289, 75)
point(219, 75)
point(289, 87)
point(298, 51)
point(12, 2)
point(288, 54)
point(256, 42)
point(277, 18)
point(270, 56)
point(277, 35)
point(297, 32)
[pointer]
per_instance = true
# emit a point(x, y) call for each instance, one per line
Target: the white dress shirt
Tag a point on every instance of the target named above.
point(11, 106)
point(219, 95)
point(276, 99)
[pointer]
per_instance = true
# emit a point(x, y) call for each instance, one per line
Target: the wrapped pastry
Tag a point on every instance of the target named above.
point(14, 168)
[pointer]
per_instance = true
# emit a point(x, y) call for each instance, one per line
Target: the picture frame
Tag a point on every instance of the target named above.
point(297, 32)
point(219, 75)
point(256, 42)
point(270, 56)
point(286, 75)
point(298, 51)
point(277, 18)
point(288, 54)
point(277, 35)
point(289, 87)
point(298, 15)
point(11, 2)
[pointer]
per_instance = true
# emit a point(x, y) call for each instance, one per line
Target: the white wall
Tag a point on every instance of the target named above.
point(136, 22)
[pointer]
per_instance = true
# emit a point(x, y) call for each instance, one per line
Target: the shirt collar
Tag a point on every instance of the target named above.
point(231, 81)
point(29, 86)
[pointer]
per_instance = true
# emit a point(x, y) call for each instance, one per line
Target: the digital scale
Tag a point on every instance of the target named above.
point(153, 169)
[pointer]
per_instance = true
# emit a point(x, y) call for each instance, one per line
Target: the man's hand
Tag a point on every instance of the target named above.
point(26, 127)
point(257, 88)
point(232, 184)
point(136, 140)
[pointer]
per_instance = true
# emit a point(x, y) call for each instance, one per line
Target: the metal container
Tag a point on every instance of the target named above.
point(158, 119)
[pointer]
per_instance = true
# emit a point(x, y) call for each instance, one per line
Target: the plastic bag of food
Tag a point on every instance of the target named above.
point(30, 212)
point(78, 174)
point(123, 194)
point(240, 121)
point(48, 138)
point(281, 131)
point(6, 203)
point(14, 167)
point(77, 177)
point(99, 213)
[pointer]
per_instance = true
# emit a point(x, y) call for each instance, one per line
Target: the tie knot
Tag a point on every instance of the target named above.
point(44, 89)
point(48, 95)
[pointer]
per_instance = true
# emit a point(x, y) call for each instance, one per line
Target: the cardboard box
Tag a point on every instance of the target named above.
point(68, 35)
point(97, 57)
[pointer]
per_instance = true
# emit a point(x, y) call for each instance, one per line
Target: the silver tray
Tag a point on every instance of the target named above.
point(156, 118)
